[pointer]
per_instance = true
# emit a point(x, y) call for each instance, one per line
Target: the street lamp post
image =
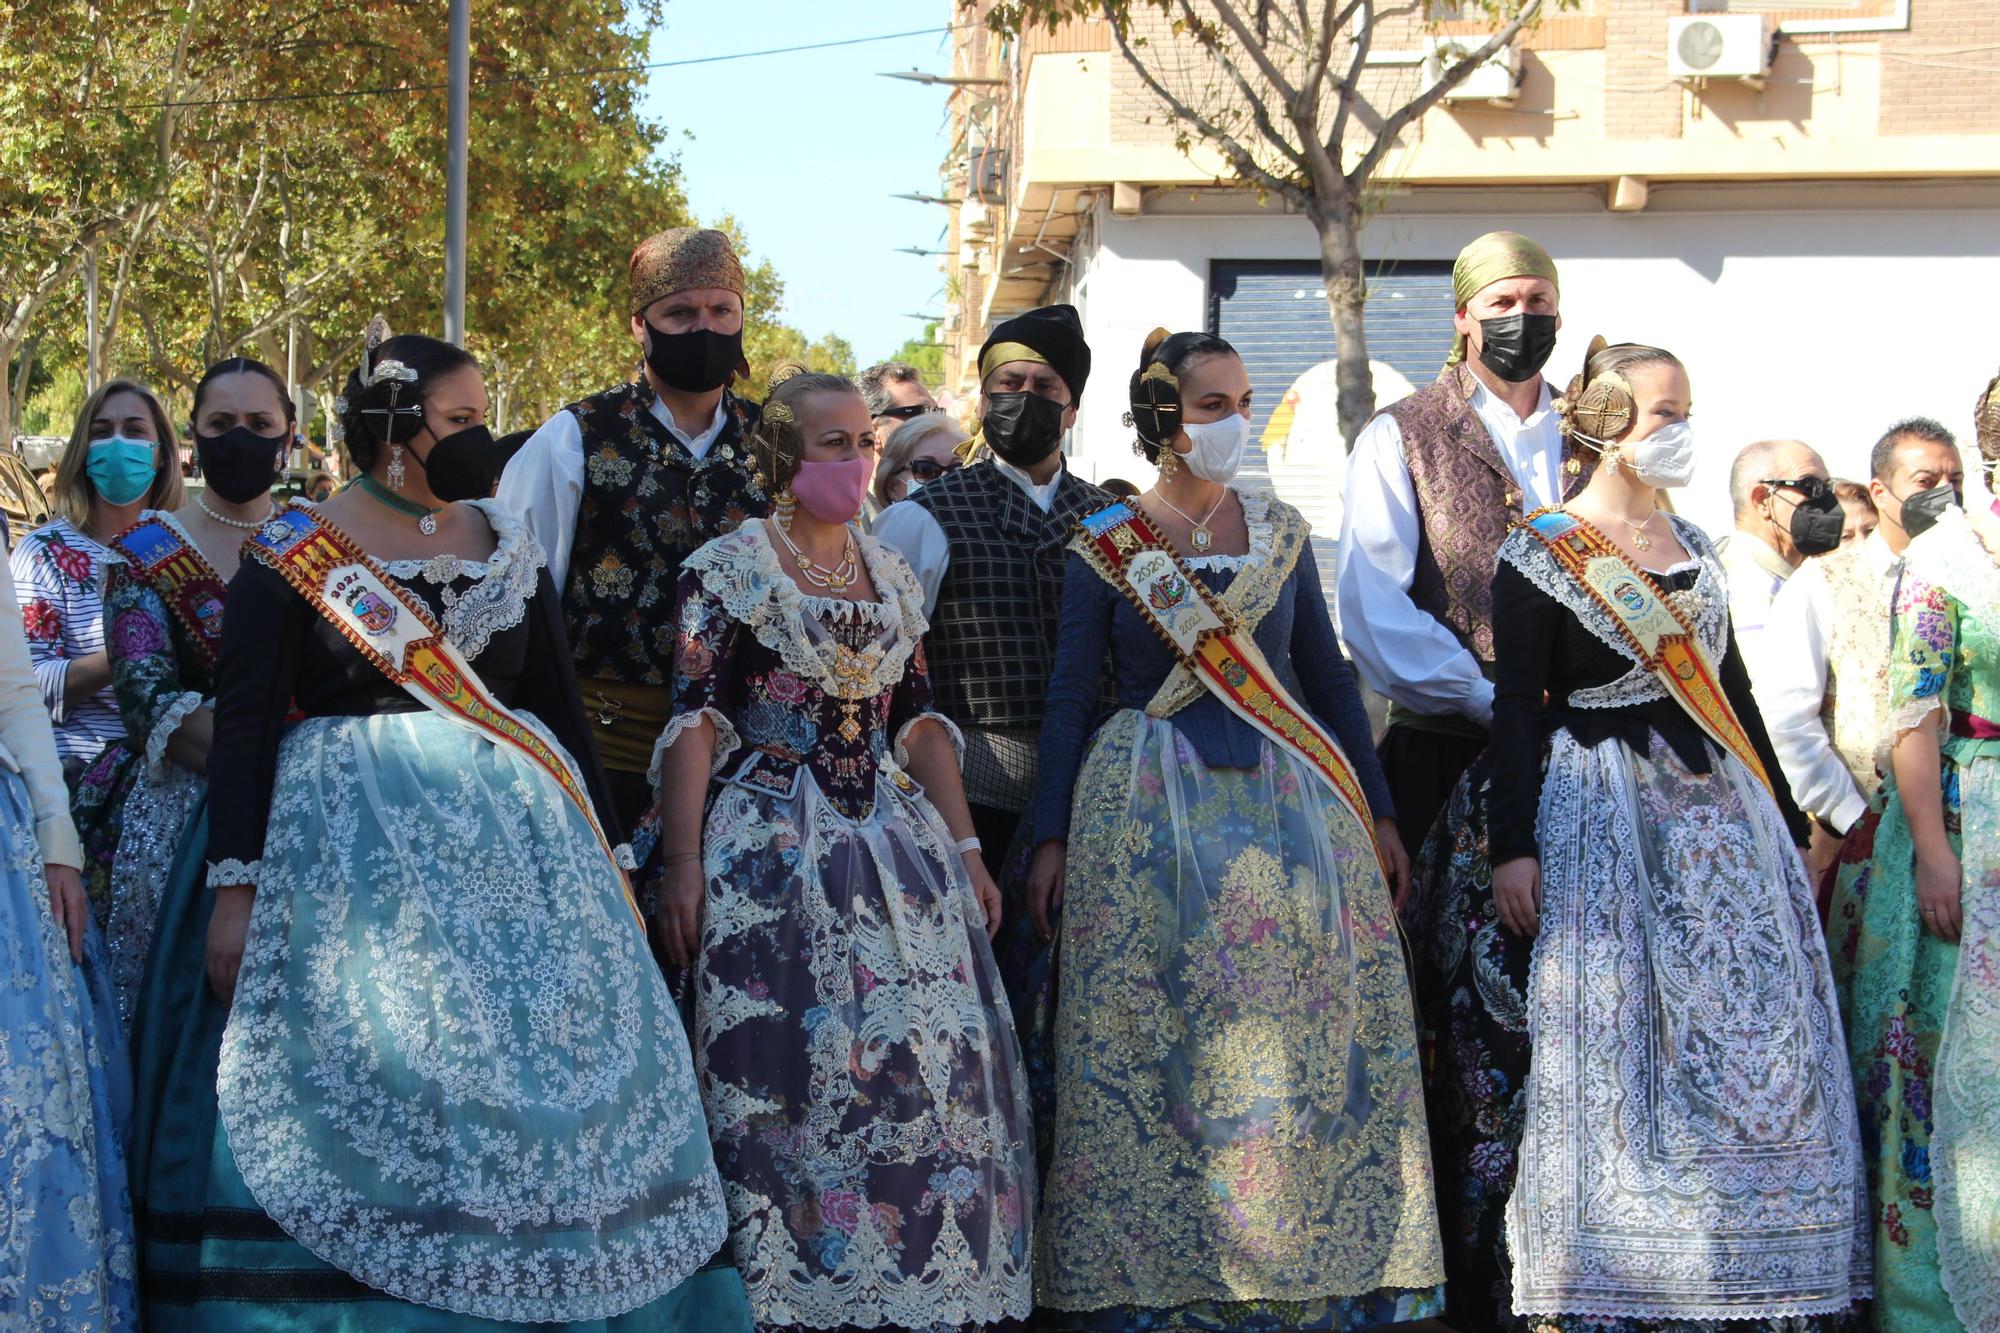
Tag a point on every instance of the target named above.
point(454, 188)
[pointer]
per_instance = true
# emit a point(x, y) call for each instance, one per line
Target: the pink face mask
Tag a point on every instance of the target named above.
point(831, 492)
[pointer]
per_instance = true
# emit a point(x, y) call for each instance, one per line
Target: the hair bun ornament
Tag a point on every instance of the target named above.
point(1986, 420)
point(1152, 344)
point(785, 370)
point(376, 334)
point(1598, 409)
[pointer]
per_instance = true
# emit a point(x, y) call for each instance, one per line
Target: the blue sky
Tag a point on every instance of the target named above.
point(805, 150)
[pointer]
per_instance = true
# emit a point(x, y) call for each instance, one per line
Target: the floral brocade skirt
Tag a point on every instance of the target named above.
point(1687, 1080)
point(68, 1259)
point(859, 1062)
point(1239, 1139)
point(451, 1092)
point(1923, 1028)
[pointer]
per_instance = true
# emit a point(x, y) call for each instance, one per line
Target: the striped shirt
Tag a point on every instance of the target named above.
point(59, 579)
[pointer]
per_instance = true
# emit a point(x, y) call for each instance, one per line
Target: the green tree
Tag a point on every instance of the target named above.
point(1284, 93)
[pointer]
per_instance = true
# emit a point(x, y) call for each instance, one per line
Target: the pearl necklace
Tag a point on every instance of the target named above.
point(834, 579)
point(250, 525)
point(1203, 538)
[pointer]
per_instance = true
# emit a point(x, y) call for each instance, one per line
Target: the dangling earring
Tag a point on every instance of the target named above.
point(395, 473)
point(786, 504)
point(1166, 461)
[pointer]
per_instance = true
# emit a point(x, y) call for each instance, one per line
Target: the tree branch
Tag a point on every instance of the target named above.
point(1280, 86)
point(1260, 113)
point(1393, 126)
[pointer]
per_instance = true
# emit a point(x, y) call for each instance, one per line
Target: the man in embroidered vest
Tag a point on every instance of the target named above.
point(1432, 488)
point(988, 543)
point(621, 487)
point(1785, 510)
point(1823, 695)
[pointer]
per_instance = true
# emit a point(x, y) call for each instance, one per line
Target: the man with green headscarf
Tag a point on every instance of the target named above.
point(1433, 484)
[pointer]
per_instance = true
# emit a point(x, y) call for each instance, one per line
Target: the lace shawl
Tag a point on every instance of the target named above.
point(505, 582)
point(1705, 606)
point(743, 573)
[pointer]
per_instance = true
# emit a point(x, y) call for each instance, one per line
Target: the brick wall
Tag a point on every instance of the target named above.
point(1930, 80)
point(1640, 101)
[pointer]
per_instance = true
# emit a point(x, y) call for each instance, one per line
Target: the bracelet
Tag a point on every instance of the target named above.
point(964, 845)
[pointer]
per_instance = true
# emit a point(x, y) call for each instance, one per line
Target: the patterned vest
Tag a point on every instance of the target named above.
point(647, 504)
point(992, 641)
point(1467, 499)
point(1857, 660)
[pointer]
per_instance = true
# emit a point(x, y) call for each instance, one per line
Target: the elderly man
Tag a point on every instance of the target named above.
point(894, 393)
point(1432, 486)
point(1786, 510)
point(988, 543)
point(620, 487)
point(1823, 697)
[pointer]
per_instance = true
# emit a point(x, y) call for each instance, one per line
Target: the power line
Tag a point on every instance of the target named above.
point(509, 79)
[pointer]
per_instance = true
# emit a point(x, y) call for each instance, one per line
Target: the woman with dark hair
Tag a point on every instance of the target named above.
point(166, 583)
point(1239, 1127)
point(121, 459)
point(431, 1078)
point(1614, 892)
point(857, 1056)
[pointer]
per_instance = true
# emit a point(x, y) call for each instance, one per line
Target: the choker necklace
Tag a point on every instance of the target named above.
point(834, 578)
point(201, 502)
point(425, 515)
point(1203, 538)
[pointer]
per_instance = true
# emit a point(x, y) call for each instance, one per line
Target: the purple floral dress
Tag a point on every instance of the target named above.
point(855, 1050)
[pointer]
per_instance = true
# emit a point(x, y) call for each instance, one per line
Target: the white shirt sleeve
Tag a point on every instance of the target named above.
point(543, 484)
point(1791, 690)
point(1403, 652)
point(909, 528)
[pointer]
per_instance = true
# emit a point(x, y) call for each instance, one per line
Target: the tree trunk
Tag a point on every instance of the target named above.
point(1337, 218)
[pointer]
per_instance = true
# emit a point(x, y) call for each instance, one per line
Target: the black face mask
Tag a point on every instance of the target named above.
point(464, 465)
point(698, 361)
point(1817, 524)
point(1022, 428)
point(239, 465)
point(1922, 511)
point(1516, 347)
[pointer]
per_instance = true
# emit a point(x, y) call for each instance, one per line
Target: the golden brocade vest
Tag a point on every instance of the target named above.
point(1857, 660)
point(1467, 499)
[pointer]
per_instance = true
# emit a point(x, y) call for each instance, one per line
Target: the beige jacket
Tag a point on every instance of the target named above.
point(27, 744)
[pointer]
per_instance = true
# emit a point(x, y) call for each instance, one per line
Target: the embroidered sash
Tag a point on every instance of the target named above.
point(169, 564)
point(1128, 554)
point(397, 634)
point(1666, 644)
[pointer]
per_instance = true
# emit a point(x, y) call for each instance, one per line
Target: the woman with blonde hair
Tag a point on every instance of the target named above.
point(122, 459)
point(923, 449)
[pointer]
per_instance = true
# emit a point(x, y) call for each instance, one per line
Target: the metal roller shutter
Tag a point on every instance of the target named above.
point(1274, 312)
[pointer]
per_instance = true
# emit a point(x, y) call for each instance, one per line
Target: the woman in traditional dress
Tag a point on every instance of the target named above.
point(452, 1091)
point(1615, 891)
point(65, 1094)
point(1239, 1128)
point(1915, 930)
point(121, 459)
point(165, 585)
point(859, 1064)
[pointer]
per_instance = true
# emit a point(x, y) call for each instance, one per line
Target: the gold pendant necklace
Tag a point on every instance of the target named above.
point(834, 579)
point(1202, 538)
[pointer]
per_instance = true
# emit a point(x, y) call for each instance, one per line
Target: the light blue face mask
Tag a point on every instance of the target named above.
point(122, 470)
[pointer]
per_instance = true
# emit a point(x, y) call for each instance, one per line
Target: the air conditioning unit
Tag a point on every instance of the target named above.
point(1496, 79)
point(1719, 46)
point(986, 175)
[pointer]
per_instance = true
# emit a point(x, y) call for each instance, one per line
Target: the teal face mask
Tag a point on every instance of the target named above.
point(122, 470)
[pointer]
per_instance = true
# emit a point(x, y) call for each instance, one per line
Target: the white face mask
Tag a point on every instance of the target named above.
point(1217, 447)
point(1664, 458)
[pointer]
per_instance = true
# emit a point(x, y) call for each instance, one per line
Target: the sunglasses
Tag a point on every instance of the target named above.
point(905, 413)
point(1810, 487)
point(929, 469)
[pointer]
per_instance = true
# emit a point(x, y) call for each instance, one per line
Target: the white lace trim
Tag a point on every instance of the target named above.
point(727, 742)
point(1257, 520)
point(230, 872)
point(625, 857)
point(1952, 557)
point(1706, 604)
point(845, 610)
point(506, 582)
point(901, 749)
point(164, 727)
point(742, 572)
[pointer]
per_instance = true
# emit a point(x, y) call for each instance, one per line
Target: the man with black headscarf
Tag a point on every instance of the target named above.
point(988, 544)
point(621, 487)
